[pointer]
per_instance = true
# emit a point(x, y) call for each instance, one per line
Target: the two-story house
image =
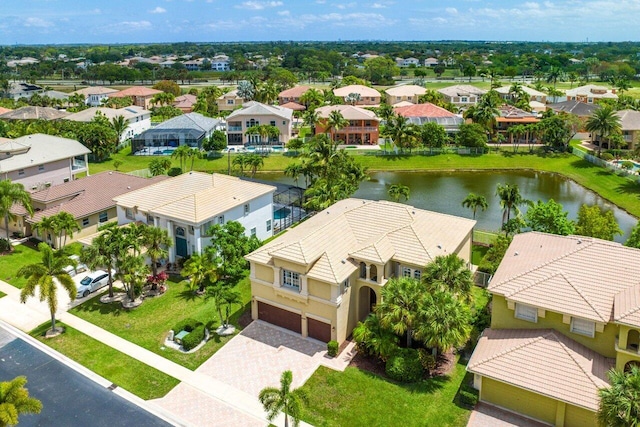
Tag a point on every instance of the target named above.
point(140, 95)
point(463, 96)
point(408, 93)
point(94, 95)
point(255, 114)
point(323, 276)
point(189, 204)
point(138, 119)
point(630, 126)
point(229, 101)
point(565, 310)
point(534, 95)
point(367, 95)
point(590, 94)
point(292, 95)
point(221, 62)
point(363, 125)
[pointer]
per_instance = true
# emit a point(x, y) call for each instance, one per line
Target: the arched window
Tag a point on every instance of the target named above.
point(180, 231)
point(363, 270)
point(373, 273)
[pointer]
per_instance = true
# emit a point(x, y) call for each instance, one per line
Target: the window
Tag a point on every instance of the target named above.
point(583, 327)
point(284, 123)
point(253, 232)
point(150, 219)
point(464, 99)
point(128, 212)
point(526, 312)
point(247, 209)
point(40, 168)
point(103, 217)
point(229, 101)
point(417, 274)
point(268, 225)
point(85, 222)
point(345, 285)
point(291, 279)
point(221, 219)
point(20, 172)
point(272, 122)
point(406, 272)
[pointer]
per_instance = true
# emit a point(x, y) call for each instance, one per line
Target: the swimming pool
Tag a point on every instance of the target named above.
point(168, 152)
point(636, 166)
point(281, 213)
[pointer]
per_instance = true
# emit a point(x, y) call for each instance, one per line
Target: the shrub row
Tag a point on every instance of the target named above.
point(193, 338)
point(187, 324)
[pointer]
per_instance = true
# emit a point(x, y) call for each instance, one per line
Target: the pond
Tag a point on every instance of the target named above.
point(445, 191)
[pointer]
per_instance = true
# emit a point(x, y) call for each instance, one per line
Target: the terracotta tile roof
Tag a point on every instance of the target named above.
point(194, 197)
point(542, 361)
point(33, 113)
point(293, 106)
point(294, 92)
point(378, 231)
point(349, 112)
point(423, 110)
point(573, 275)
point(626, 306)
point(5, 110)
point(185, 101)
point(135, 91)
point(86, 196)
point(362, 90)
point(406, 90)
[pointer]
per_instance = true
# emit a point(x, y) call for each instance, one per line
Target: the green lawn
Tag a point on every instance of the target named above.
point(125, 371)
point(359, 398)
point(148, 324)
point(2, 294)
point(477, 253)
point(10, 264)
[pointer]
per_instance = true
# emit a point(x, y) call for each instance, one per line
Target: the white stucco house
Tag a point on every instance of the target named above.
point(138, 119)
point(189, 204)
point(94, 95)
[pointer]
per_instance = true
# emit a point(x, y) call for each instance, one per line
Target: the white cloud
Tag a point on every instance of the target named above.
point(452, 10)
point(127, 27)
point(258, 5)
point(346, 5)
point(37, 22)
point(158, 10)
point(284, 13)
point(382, 4)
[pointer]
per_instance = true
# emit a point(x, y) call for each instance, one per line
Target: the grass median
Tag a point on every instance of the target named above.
point(126, 372)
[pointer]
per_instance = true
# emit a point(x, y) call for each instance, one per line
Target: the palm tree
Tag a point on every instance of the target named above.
point(181, 153)
point(605, 122)
point(64, 225)
point(15, 400)
point(224, 298)
point(101, 253)
point(163, 98)
point(119, 124)
point(510, 199)
point(246, 90)
point(284, 400)
point(400, 305)
point(474, 201)
point(402, 133)
point(620, 404)
point(374, 339)
point(254, 161)
point(192, 155)
point(12, 193)
point(444, 321)
point(397, 191)
point(449, 273)
point(45, 275)
point(353, 98)
point(312, 99)
point(198, 268)
point(156, 241)
point(45, 229)
point(335, 122)
point(240, 162)
point(311, 118)
point(553, 75)
point(159, 166)
point(294, 170)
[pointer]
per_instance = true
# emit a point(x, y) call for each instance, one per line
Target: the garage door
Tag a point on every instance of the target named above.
point(279, 317)
point(319, 330)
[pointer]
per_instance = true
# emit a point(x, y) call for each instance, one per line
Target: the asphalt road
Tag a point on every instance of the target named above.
point(68, 397)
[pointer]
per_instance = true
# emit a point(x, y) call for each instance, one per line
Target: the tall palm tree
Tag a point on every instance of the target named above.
point(198, 268)
point(449, 273)
point(605, 122)
point(398, 191)
point(474, 201)
point(553, 75)
point(620, 404)
point(312, 99)
point(311, 119)
point(45, 229)
point(283, 399)
point(335, 122)
point(400, 305)
point(119, 124)
point(45, 275)
point(64, 226)
point(255, 162)
point(401, 131)
point(15, 400)
point(101, 253)
point(182, 154)
point(510, 200)
point(12, 193)
point(156, 241)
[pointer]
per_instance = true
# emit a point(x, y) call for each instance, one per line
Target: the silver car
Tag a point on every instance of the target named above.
point(92, 282)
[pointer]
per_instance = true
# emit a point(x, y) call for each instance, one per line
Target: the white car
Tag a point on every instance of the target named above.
point(79, 268)
point(92, 282)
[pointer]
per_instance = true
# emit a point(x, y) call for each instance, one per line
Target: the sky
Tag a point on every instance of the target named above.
point(146, 21)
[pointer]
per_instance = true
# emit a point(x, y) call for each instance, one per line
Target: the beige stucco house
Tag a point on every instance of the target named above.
point(368, 95)
point(407, 93)
point(229, 101)
point(630, 126)
point(463, 96)
point(323, 276)
point(565, 310)
point(254, 114)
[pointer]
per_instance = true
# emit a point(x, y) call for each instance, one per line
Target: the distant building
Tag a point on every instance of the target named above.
point(590, 94)
point(368, 96)
point(463, 96)
point(409, 93)
point(229, 101)
point(140, 95)
point(138, 119)
point(95, 95)
point(19, 90)
point(363, 125)
point(221, 63)
point(255, 114)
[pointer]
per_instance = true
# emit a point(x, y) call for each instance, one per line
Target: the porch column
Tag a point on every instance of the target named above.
point(172, 252)
point(196, 236)
point(305, 326)
point(86, 163)
point(304, 289)
point(367, 276)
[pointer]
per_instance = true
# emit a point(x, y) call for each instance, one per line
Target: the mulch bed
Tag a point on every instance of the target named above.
point(445, 364)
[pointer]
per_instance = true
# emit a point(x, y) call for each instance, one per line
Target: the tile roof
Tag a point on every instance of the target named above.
point(573, 275)
point(542, 361)
point(5, 110)
point(37, 149)
point(254, 108)
point(94, 90)
point(294, 92)
point(33, 113)
point(294, 106)
point(89, 195)
point(187, 121)
point(406, 90)
point(332, 242)
point(626, 306)
point(194, 197)
point(185, 101)
point(461, 90)
point(135, 91)
point(362, 90)
point(403, 104)
point(578, 108)
point(592, 91)
point(86, 115)
point(423, 110)
point(349, 112)
point(629, 119)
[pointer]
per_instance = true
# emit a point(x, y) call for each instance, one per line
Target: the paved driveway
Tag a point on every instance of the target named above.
point(485, 415)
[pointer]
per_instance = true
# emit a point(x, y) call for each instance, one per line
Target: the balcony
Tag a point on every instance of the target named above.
point(78, 164)
point(631, 349)
point(358, 129)
point(234, 128)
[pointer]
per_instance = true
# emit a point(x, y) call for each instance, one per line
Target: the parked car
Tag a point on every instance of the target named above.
point(92, 282)
point(79, 268)
point(234, 149)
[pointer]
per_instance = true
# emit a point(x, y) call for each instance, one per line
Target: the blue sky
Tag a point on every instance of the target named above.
point(139, 21)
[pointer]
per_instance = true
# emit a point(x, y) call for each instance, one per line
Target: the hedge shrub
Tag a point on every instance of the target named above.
point(332, 348)
point(405, 366)
point(187, 324)
point(606, 156)
point(468, 398)
point(193, 338)
point(5, 245)
point(427, 360)
point(175, 171)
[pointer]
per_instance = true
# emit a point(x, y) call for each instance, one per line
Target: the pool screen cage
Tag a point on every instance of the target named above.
point(288, 208)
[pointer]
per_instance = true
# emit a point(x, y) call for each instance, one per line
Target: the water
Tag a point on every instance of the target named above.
point(636, 166)
point(445, 191)
point(281, 213)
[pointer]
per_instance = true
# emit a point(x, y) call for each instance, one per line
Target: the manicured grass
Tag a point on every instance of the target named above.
point(125, 371)
point(2, 294)
point(10, 263)
point(148, 325)
point(480, 298)
point(359, 398)
point(477, 253)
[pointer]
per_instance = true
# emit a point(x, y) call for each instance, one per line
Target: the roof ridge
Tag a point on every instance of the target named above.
point(633, 309)
point(566, 349)
point(333, 272)
point(517, 347)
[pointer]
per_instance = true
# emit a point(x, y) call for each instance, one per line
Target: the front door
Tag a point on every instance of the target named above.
point(181, 243)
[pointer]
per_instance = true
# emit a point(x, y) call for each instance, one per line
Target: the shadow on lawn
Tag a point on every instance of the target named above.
point(629, 187)
point(94, 304)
